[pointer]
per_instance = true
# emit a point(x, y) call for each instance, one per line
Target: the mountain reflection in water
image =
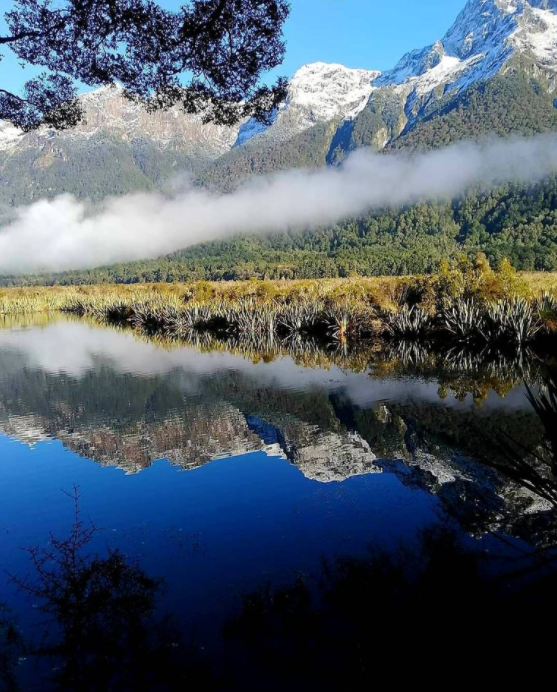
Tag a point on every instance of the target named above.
point(314, 461)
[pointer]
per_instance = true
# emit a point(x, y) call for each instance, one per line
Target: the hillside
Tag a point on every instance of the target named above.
point(493, 73)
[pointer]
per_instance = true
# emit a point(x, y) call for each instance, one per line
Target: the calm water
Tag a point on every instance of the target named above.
point(219, 475)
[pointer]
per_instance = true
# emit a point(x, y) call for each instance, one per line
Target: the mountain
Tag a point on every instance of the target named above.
point(318, 93)
point(321, 97)
point(120, 148)
point(490, 38)
point(513, 41)
point(329, 111)
point(494, 71)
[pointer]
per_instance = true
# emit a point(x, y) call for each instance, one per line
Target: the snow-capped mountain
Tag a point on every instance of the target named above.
point(9, 135)
point(317, 93)
point(485, 38)
point(359, 107)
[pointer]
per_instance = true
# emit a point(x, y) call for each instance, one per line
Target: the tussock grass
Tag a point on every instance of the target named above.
point(466, 302)
point(381, 291)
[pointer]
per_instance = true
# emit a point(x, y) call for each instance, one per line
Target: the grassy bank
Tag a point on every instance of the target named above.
point(100, 300)
point(466, 302)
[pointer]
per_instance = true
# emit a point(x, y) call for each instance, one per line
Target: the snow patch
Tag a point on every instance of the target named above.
point(539, 37)
point(9, 135)
point(317, 93)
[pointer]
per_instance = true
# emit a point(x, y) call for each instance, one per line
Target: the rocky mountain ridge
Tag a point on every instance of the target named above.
point(326, 109)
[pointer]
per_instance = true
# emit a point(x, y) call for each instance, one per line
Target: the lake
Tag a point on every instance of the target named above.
point(221, 475)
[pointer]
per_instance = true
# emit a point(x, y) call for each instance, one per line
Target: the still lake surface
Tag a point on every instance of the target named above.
point(219, 474)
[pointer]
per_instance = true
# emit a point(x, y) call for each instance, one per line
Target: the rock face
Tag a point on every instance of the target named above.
point(318, 93)
point(120, 148)
point(107, 111)
point(484, 40)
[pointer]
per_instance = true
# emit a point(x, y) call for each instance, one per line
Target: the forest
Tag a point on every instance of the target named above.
point(514, 222)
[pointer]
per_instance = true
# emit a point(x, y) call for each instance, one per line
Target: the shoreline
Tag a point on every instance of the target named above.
point(465, 305)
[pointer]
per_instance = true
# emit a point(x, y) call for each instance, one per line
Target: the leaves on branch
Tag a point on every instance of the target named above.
point(208, 57)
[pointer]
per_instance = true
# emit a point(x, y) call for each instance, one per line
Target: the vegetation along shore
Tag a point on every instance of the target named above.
point(465, 302)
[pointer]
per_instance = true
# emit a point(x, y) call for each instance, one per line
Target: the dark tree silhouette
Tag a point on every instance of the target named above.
point(101, 630)
point(208, 56)
point(11, 648)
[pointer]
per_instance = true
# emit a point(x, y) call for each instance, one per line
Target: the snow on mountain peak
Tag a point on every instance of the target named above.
point(329, 90)
point(484, 36)
point(317, 93)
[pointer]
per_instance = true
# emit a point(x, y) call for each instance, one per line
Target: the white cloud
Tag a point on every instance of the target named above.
point(65, 233)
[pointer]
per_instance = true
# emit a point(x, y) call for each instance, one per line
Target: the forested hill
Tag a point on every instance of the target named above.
point(515, 222)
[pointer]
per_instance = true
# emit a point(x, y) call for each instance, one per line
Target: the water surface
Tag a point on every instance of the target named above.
point(219, 474)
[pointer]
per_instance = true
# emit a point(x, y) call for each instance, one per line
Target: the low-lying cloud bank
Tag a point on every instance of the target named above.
point(65, 233)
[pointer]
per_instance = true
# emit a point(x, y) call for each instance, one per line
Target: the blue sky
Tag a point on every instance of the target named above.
point(372, 34)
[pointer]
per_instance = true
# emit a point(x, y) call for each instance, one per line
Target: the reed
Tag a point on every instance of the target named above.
point(469, 304)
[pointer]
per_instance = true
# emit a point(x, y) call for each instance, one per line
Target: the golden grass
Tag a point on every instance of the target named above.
point(540, 282)
point(380, 291)
point(30, 300)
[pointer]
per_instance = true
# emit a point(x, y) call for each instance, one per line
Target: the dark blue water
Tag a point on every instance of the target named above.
point(220, 475)
point(213, 532)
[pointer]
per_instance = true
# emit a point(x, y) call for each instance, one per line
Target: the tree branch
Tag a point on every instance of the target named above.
point(14, 96)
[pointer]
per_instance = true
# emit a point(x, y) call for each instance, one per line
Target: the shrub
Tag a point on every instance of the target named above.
point(409, 322)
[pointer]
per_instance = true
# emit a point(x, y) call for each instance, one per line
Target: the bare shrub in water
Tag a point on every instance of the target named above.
point(173, 320)
point(114, 312)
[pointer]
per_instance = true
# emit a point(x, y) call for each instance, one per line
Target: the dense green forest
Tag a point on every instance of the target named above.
point(518, 222)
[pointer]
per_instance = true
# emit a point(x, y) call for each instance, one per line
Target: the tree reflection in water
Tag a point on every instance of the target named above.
point(11, 650)
point(403, 612)
point(101, 630)
point(534, 469)
point(398, 609)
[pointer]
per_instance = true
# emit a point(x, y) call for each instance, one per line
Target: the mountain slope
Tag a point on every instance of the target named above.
point(494, 72)
point(118, 148)
point(490, 39)
point(121, 148)
point(509, 104)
